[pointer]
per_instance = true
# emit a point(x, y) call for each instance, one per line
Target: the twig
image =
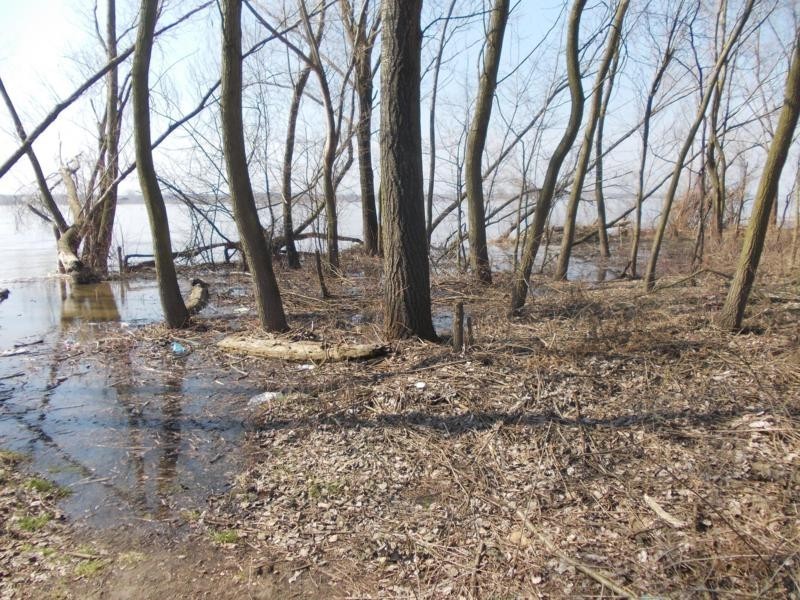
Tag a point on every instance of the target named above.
point(475, 565)
point(662, 514)
point(692, 276)
point(601, 578)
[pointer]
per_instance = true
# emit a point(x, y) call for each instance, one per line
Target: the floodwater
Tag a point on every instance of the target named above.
point(137, 434)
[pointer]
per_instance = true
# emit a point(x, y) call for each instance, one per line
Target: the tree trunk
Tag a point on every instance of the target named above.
point(568, 236)
point(407, 300)
point(716, 154)
point(105, 224)
point(599, 196)
point(650, 273)
point(288, 155)
point(361, 45)
point(733, 311)
point(476, 142)
point(369, 211)
point(175, 311)
point(519, 291)
point(254, 245)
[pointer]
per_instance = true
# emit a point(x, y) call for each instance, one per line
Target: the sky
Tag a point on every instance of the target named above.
point(37, 75)
point(48, 46)
point(36, 36)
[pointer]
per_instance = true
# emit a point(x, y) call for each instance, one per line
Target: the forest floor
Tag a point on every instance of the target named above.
point(605, 442)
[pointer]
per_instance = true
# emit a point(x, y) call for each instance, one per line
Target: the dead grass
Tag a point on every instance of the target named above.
point(606, 438)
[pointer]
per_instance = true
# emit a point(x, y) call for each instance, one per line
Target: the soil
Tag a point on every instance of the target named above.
point(604, 442)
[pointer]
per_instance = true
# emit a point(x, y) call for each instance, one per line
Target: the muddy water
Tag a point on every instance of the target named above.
point(137, 434)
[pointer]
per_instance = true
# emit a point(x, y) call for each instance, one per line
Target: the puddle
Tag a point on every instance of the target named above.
point(443, 322)
point(136, 434)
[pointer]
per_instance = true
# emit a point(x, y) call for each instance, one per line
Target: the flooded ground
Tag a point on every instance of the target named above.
point(135, 433)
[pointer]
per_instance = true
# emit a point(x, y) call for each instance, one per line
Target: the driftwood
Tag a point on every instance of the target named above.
point(186, 254)
point(272, 347)
point(198, 297)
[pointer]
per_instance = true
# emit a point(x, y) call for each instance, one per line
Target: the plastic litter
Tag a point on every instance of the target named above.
point(263, 398)
point(179, 349)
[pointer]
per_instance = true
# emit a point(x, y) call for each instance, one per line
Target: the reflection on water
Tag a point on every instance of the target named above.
point(90, 303)
point(136, 434)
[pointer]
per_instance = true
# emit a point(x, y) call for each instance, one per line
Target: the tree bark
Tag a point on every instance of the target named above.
point(568, 236)
point(175, 311)
point(476, 142)
point(732, 312)
point(407, 300)
point(519, 290)
point(254, 245)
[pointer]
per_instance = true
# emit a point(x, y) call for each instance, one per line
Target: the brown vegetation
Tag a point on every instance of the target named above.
point(604, 436)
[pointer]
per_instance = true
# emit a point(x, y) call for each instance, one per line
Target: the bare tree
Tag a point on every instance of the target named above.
point(476, 142)
point(732, 312)
point(612, 45)
point(361, 35)
point(172, 303)
point(288, 156)
point(268, 298)
point(650, 273)
point(437, 67)
point(103, 223)
point(666, 59)
point(407, 300)
point(519, 291)
point(599, 183)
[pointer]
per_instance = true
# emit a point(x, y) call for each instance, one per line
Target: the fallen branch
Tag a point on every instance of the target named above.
point(692, 276)
point(279, 242)
point(303, 350)
point(600, 578)
point(186, 254)
point(662, 514)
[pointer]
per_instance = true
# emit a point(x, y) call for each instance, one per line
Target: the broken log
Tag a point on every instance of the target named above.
point(302, 350)
point(198, 297)
point(458, 327)
point(67, 257)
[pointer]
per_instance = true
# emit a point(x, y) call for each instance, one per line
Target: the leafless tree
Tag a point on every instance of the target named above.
point(407, 301)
